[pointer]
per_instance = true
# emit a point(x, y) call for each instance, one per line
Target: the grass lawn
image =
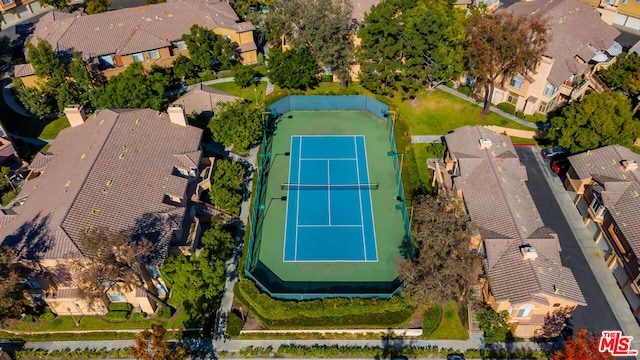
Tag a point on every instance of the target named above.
point(52, 129)
point(247, 93)
point(522, 141)
point(450, 327)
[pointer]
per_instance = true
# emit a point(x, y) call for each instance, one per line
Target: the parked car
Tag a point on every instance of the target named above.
point(555, 153)
point(543, 126)
point(560, 166)
point(455, 357)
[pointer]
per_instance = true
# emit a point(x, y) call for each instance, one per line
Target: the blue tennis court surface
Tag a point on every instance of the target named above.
point(329, 209)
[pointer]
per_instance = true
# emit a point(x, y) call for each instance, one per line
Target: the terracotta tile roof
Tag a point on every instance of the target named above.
point(204, 98)
point(620, 189)
point(112, 171)
point(40, 161)
point(22, 70)
point(361, 7)
point(570, 37)
point(127, 31)
point(492, 182)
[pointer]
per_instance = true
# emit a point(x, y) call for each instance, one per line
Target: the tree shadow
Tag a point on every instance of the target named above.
point(33, 239)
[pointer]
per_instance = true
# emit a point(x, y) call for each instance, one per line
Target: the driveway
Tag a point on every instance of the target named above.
point(597, 315)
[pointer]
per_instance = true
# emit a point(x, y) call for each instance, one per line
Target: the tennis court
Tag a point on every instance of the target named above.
point(329, 214)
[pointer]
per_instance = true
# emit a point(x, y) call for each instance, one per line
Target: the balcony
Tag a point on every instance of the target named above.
point(574, 89)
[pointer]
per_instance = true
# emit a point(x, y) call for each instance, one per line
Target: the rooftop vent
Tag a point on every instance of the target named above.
point(629, 165)
point(528, 252)
point(485, 143)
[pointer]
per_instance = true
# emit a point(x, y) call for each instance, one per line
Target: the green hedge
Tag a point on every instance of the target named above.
point(464, 89)
point(47, 315)
point(117, 315)
point(139, 316)
point(164, 312)
point(337, 312)
point(234, 325)
point(507, 107)
point(431, 319)
point(120, 306)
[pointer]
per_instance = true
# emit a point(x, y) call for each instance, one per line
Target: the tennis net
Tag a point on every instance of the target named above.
point(290, 186)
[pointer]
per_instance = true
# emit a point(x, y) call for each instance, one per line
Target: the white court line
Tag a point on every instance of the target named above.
point(295, 253)
point(329, 190)
point(330, 261)
point(364, 245)
point(326, 159)
point(286, 214)
point(373, 223)
point(336, 226)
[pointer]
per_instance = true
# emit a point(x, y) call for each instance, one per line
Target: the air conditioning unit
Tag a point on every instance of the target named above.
point(485, 143)
point(528, 252)
point(629, 165)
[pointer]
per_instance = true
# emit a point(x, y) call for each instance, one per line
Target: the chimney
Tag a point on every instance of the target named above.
point(485, 143)
point(629, 165)
point(528, 252)
point(75, 114)
point(177, 115)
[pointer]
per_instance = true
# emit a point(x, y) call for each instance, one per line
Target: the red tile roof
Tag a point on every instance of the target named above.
point(576, 30)
point(493, 186)
point(112, 171)
point(204, 98)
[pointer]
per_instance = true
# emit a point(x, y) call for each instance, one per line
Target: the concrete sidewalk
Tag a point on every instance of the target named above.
point(591, 251)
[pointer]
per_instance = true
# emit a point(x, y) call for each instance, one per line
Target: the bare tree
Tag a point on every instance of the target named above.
point(153, 346)
point(554, 323)
point(500, 46)
point(442, 268)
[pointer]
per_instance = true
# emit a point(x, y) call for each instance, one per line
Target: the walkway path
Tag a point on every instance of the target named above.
point(493, 108)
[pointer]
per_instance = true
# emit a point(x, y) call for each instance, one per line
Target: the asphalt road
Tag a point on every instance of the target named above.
point(597, 315)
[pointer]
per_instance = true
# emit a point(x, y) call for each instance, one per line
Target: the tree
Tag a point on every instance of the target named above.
point(67, 93)
point(500, 46)
point(243, 75)
point(218, 240)
point(79, 70)
point(45, 62)
point(183, 67)
point(12, 299)
point(116, 263)
point(554, 323)
point(495, 325)
point(208, 50)
point(58, 4)
point(599, 119)
point(435, 37)
point(97, 6)
point(293, 69)
point(150, 2)
point(323, 27)
point(238, 123)
point(134, 89)
point(441, 270)
point(228, 178)
point(5, 48)
point(581, 346)
point(34, 100)
point(153, 346)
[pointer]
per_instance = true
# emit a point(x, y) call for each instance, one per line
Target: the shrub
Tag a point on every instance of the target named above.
point(28, 318)
point(47, 315)
point(464, 89)
point(327, 78)
point(243, 75)
point(430, 319)
point(335, 312)
point(164, 312)
point(507, 107)
point(139, 316)
point(6, 198)
point(235, 324)
point(520, 114)
point(120, 306)
point(117, 315)
point(449, 84)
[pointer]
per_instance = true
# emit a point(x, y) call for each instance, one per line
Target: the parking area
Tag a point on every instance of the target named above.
point(597, 315)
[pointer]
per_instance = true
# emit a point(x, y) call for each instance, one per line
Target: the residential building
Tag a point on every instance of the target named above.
point(127, 171)
point(150, 34)
point(204, 99)
point(13, 10)
point(8, 154)
point(620, 12)
point(521, 257)
point(574, 53)
point(605, 183)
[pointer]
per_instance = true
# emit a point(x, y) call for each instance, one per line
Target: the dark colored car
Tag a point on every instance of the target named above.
point(560, 166)
point(455, 357)
point(556, 152)
point(543, 126)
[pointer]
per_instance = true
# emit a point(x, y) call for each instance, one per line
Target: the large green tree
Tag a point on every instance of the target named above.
point(5, 48)
point(208, 50)
point(45, 62)
point(58, 4)
point(293, 69)
point(501, 45)
point(12, 299)
point(97, 6)
point(624, 74)
point(36, 101)
point(228, 178)
point(323, 27)
point(442, 267)
point(599, 119)
point(238, 123)
point(134, 89)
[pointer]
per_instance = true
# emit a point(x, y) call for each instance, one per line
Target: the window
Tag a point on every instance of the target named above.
point(154, 272)
point(106, 61)
point(556, 305)
point(138, 57)
point(513, 98)
point(549, 90)
point(6, 2)
point(611, 2)
point(116, 297)
point(543, 107)
point(33, 283)
point(181, 45)
point(326, 70)
point(524, 311)
point(154, 54)
point(625, 1)
point(597, 206)
point(516, 82)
